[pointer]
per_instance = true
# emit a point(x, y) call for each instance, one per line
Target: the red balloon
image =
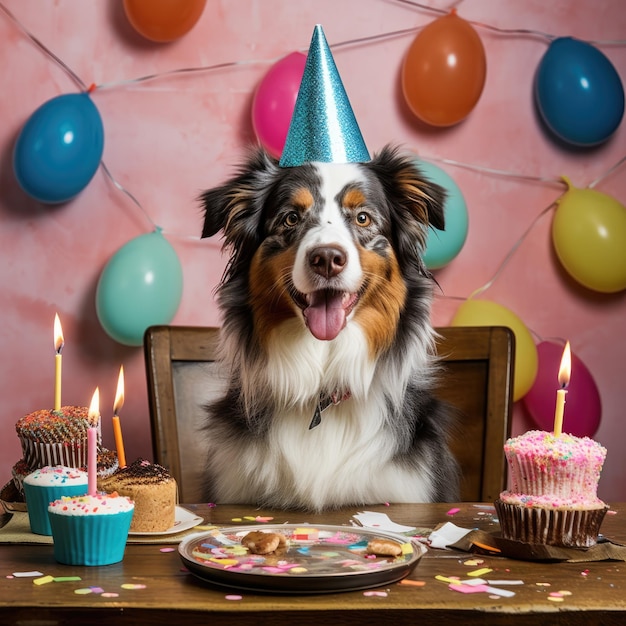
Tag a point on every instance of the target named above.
point(443, 73)
point(163, 20)
point(275, 100)
point(583, 407)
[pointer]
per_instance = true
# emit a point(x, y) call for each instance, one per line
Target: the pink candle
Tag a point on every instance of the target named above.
point(92, 444)
point(92, 460)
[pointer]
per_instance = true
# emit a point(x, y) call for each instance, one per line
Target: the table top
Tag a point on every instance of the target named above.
point(152, 586)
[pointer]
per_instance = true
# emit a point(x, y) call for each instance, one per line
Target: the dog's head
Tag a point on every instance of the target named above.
point(327, 242)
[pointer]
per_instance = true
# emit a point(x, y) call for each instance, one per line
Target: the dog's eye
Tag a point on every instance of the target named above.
point(363, 219)
point(291, 219)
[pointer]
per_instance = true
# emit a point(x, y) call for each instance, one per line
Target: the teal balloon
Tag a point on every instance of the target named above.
point(443, 245)
point(58, 150)
point(140, 286)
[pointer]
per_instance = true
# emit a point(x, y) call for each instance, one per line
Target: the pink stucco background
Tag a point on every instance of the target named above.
point(167, 139)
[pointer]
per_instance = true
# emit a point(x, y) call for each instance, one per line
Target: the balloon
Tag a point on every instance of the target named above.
point(443, 245)
point(443, 73)
point(589, 236)
point(163, 20)
point(274, 101)
point(59, 148)
point(583, 407)
point(140, 286)
point(487, 313)
point(578, 92)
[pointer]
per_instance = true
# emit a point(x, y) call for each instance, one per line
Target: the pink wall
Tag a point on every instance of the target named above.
point(167, 139)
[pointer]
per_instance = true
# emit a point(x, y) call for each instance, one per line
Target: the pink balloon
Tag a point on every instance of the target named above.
point(274, 101)
point(583, 407)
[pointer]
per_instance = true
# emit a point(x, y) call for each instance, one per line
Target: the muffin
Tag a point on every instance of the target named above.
point(153, 490)
point(90, 530)
point(47, 484)
point(553, 490)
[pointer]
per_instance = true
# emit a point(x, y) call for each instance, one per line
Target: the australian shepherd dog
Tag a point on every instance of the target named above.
point(326, 341)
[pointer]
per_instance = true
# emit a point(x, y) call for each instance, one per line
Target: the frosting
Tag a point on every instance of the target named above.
point(56, 476)
point(553, 471)
point(99, 504)
point(70, 422)
point(140, 472)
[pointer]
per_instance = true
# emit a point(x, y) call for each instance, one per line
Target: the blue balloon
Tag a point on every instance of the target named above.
point(578, 93)
point(59, 148)
point(140, 286)
point(443, 245)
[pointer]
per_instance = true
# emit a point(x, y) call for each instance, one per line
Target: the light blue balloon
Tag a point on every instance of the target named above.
point(443, 245)
point(140, 286)
point(578, 92)
point(59, 148)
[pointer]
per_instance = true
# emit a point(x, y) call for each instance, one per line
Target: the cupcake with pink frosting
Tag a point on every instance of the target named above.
point(553, 490)
point(90, 529)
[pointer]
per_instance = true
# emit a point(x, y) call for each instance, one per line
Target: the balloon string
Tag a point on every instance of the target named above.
point(509, 31)
point(75, 77)
point(520, 240)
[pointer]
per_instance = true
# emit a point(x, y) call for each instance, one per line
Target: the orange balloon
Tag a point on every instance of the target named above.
point(163, 20)
point(444, 71)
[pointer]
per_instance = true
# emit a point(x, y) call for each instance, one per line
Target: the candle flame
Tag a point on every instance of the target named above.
point(566, 367)
point(94, 407)
point(58, 334)
point(119, 395)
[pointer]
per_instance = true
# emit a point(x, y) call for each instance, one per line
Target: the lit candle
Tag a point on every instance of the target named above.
point(117, 428)
point(58, 361)
point(564, 376)
point(92, 444)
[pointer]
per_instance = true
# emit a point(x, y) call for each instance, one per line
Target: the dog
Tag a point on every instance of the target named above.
point(326, 343)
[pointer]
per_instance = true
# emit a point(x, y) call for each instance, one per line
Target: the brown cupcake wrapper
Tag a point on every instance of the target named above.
point(569, 528)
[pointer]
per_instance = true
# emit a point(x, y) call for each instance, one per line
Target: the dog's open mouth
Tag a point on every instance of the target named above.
point(326, 310)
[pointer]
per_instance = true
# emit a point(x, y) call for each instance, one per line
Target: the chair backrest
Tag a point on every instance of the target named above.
point(477, 379)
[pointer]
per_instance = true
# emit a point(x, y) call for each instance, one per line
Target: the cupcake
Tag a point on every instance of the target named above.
point(55, 437)
point(153, 490)
point(553, 490)
point(90, 530)
point(47, 484)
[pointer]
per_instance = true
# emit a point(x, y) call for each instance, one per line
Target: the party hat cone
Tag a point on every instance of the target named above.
point(323, 126)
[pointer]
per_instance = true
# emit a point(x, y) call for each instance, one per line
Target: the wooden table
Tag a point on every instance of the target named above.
point(595, 593)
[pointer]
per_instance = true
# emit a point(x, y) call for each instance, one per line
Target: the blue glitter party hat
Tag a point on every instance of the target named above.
point(323, 126)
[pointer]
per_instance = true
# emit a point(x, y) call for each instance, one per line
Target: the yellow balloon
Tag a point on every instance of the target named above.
point(589, 236)
point(487, 313)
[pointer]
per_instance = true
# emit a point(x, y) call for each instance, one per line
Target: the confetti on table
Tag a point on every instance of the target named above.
point(473, 562)
point(413, 583)
point(453, 511)
point(261, 519)
point(110, 594)
point(480, 572)
point(66, 579)
point(233, 596)
point(132, 586)
point(485, 546)
point(555, 598)
point(83, 591)
point(445, 579)
point(380, 594)
point(27, 574)
point(505, 582)
point(167, 549)
point(43, 580)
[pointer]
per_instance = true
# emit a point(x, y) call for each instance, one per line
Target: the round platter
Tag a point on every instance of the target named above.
point(316, 559)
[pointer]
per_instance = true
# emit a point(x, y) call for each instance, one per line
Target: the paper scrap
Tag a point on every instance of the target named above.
point(380, 521)
point(447, 535)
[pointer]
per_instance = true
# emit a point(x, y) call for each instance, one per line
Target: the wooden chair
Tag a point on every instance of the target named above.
point(477, 379)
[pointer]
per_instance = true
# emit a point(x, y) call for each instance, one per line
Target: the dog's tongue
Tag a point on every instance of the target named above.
point(325, 315)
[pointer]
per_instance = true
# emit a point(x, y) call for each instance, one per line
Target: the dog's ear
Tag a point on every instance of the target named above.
point(232, 206)
point(405, 185)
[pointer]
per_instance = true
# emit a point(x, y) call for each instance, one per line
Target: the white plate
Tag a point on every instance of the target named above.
point(183, 520)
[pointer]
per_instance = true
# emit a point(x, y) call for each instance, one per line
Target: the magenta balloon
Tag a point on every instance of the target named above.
point(274, 101)
point(583, 407)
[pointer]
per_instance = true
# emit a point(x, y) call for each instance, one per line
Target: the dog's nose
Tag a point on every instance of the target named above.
point(327, 261)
